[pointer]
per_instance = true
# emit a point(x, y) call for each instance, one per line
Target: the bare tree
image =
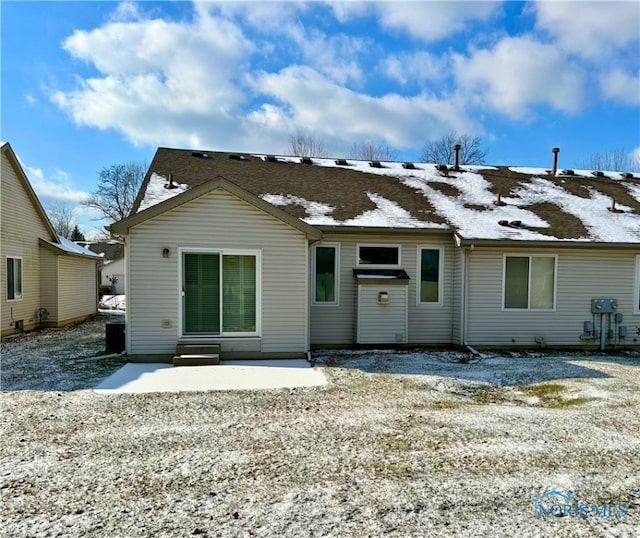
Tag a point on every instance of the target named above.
point(62, 219)
point(118, 186)
point(306, 145)
point(614, 160)
point(371, 150)
point(441, 150)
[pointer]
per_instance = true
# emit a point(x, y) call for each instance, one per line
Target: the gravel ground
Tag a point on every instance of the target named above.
point(406, 444)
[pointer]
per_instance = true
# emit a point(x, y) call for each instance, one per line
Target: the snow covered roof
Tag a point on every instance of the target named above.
point(68, 246)
point(477, 202)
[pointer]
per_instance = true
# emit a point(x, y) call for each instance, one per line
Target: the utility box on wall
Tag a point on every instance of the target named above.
point(382, 298)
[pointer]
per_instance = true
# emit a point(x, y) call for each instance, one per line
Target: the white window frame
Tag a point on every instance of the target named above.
point(555, 282)
point(379, 265)
point(222, 252)
point(336, 302)
point(440, 249)
point(636, 287)
point(16, 297)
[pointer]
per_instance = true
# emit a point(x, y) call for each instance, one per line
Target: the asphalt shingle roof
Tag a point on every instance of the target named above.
point(490, 202)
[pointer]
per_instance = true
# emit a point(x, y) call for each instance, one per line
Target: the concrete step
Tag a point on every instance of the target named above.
point(196, 359)
point(197, 349)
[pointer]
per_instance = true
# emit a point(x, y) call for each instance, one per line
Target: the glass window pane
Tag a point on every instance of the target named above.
point(201, 293)
point(10, 279)
point(516, 282)
point(325, 275)
point(18, 276)
point(239, 293)
point(429, 275)
point(379, 255)
point(542, 282)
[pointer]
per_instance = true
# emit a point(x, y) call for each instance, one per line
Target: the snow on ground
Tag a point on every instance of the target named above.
point(68, 358)
point(113, 305)
point(420, 443)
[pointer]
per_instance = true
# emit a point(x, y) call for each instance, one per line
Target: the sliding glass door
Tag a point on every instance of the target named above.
point(220, 293)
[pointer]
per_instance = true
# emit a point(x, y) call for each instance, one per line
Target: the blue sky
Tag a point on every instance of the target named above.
point(90, 84)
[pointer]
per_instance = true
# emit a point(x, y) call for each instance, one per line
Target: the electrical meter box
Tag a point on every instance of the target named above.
point(604, 306)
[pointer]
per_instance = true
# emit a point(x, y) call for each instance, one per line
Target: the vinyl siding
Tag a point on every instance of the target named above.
point(216, 220)
point(21, 228)
point(77, 280)
point(49, 283)
point(382, 324)
point(428, 324)
point(457, 295)
point(582, 275)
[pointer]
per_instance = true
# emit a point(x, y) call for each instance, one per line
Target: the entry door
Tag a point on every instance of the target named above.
point(201, 294)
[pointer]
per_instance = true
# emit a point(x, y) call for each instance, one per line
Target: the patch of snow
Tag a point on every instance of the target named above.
point(73, 248)
point(529, 170)
point(156, 191)
point(478, 223)
point(388, 214)
point(603, 224)
point(317, 211)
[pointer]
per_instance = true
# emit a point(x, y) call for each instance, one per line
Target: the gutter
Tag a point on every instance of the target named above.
point(561, 243)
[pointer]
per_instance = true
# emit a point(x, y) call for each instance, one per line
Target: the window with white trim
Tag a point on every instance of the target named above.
point(529, 282)
point(379, 255)
point(325, 274)
point(14, 279)
point(430, 275)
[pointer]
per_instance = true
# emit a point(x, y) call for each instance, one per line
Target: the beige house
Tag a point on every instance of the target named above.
point(270, 256)
point(46, 281)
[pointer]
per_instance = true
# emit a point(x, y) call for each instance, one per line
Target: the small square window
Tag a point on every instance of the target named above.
point(529, 282)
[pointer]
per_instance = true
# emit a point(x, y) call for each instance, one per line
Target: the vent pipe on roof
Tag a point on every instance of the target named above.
point(554, 167)
point(170, 185)
point(456, 162)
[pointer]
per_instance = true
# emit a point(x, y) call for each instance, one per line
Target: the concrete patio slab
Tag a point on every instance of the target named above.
point(229, 375)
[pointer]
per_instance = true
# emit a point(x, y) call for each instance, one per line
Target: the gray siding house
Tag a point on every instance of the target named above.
point(271, 256)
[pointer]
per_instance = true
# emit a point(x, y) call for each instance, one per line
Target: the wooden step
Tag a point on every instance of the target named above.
point(196, 359)
point(197, 349)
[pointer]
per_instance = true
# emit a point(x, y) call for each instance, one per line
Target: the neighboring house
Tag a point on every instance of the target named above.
point(272, 256)
point(46, 281)
point(112, 267)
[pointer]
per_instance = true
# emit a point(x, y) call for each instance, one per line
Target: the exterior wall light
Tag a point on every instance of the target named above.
point(166, 252)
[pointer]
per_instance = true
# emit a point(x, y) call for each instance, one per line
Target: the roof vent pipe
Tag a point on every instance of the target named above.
point(554, 168)
point(171, 184)
point(456, 162)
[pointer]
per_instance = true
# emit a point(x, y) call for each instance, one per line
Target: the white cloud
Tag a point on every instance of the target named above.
point(162, 81)
point(590, 29)
point(621, 87)
point(307, 98)
point(635, 157)
point(519, 72)
point(189, 83)
point(416, 67)
point(55, 188)
point(432, 21)
point(332, 55)
point(30, 99)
